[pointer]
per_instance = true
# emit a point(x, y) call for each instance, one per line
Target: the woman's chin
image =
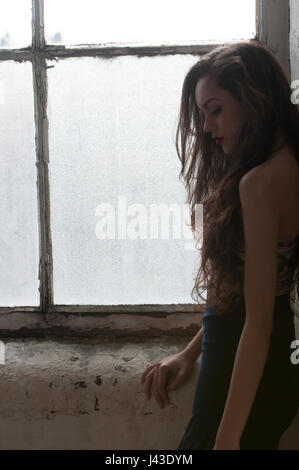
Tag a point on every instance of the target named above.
point(227, 149)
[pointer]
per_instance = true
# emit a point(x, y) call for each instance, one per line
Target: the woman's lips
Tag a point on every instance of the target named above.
point(219, 141)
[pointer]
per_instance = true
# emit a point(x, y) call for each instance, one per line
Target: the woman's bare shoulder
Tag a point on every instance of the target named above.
point(279, 173)
point(281, 167)
point(279, 177)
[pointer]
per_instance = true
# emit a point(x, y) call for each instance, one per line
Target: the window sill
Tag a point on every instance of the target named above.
point(86, 394)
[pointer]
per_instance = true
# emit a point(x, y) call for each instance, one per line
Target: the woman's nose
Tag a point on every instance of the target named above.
point(208, 125)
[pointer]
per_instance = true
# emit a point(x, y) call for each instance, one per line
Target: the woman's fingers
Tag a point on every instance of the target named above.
point(162, 376)
point(155, 389)
point(148, 383)
point(147, 371)
point(155, 379)
point(175, 383)
point(151, 384)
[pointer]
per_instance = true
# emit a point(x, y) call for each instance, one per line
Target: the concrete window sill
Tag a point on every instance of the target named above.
point(86, 394)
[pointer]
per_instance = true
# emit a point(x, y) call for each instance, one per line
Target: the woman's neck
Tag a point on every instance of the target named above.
point(279, 143)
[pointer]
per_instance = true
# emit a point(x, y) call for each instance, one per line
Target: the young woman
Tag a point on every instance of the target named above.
point(238, 142)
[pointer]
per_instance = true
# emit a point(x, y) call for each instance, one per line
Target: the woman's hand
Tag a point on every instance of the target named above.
point(165, 375)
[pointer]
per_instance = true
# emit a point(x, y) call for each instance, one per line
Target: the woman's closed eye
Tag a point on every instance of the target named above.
point(217, 111)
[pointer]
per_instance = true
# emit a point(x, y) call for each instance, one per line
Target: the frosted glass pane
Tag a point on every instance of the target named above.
point(147, 21)
point(15, 24)
point(19, 245)
point(111, 136)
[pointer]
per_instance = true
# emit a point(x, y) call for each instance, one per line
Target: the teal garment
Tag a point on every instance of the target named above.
point(277, 398)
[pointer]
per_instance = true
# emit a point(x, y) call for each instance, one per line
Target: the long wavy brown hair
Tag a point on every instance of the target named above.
point(254, 77)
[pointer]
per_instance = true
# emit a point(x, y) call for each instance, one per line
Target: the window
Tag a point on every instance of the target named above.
point(147, 21)
point(93, 215)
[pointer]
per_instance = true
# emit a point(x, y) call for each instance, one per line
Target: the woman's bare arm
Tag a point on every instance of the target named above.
point(193, 349)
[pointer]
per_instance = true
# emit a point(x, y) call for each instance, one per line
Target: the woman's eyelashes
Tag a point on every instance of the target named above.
point(217, 111)
point(214, 113)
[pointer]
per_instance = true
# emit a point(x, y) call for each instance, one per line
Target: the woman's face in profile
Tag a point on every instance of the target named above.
point(223, 114)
